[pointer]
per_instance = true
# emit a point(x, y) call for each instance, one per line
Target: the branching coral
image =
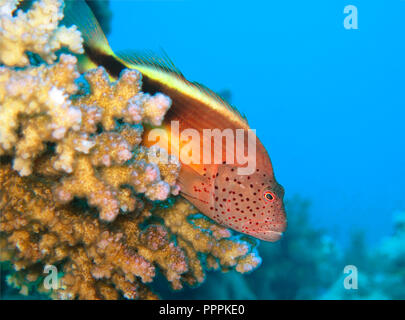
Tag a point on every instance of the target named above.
point(196, 234)
point(96, 162)
point(78, 189)
point(36, 31)
point(34, 102)
point(104, 261)
point(39, 230)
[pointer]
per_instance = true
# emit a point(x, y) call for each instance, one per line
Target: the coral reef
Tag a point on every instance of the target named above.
point(35, 31)
point(95, 161)
point(78, 190)
point(99, 260)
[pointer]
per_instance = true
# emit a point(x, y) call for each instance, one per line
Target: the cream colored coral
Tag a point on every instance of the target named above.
point(35, 31)
point(168, 165)
point(149, 109)
point(104, 174)
point(98, 262)
point(196, 233)
point(7, 7)
point(36, 101)
point(85, 143)
point(104, 187)
point(105, 261)
point(123, 99)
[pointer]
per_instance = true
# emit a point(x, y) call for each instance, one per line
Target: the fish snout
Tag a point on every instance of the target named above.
point(267, 230)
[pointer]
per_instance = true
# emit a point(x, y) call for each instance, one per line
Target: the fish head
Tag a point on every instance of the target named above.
point(252, 204)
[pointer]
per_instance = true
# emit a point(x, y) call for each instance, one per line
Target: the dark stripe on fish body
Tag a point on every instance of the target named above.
point(114, 68)
point(110, 63)
point(189, 112)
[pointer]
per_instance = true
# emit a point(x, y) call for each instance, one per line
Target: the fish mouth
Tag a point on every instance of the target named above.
point(269, 232)
point(268, 235)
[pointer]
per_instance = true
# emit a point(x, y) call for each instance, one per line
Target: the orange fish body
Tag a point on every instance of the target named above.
point(217, 190)
point(212, 177)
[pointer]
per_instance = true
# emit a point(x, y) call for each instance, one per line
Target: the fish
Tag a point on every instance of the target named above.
point(246, 199)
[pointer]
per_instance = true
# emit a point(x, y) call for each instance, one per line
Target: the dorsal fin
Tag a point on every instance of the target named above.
point(219, 99)
point(78, 13)
point(150, 59)
point(165, 65)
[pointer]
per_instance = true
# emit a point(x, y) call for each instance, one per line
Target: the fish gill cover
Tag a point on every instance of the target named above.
point(78, 191)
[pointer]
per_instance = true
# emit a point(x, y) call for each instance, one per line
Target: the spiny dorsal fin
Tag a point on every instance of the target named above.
point(219, 99)
point(149, 58)
point(164, 64)
point(78, 13)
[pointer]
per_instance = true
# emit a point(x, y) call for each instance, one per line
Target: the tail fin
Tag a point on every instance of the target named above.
point(78, 13)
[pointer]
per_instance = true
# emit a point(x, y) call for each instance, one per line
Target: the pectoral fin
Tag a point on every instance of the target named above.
point(197, 186)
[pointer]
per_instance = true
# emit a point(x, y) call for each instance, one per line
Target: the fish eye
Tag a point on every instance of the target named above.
point(269, 196)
